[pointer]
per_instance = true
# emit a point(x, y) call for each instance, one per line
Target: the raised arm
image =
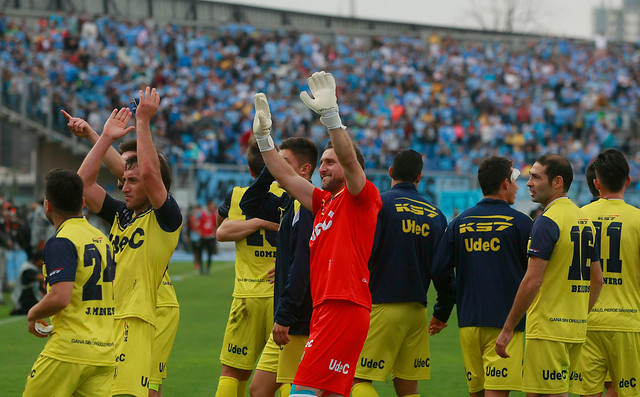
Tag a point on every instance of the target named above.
point(148, 162)
point(293, 183)
point(82, 129)
point(324, 102)
point(115, 128)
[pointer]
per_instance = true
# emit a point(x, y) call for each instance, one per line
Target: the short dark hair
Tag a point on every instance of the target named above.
point(254, 157)
point(165, 170)
point(130, 145)
point(556, 165)
point(492, 172)
point(359, 155)
point(304, 149)
point(407, 166)
point(590, 175)
point(612, 169)
point(63, 189)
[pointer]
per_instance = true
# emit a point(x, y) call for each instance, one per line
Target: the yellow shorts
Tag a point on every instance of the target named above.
point(548, 365)
point(248, 329)
point(167, 319)
point(397, 343)
point(269, 358)
point(613, 352)
point(484, 368)
point(134, 343)
point(53, 377)
point(290, 357)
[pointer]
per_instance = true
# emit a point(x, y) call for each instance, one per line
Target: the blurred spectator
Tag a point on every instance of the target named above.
point(40, 227)
point(208, 227)
point(193, 234)
point(441, 97)
point(29, 287)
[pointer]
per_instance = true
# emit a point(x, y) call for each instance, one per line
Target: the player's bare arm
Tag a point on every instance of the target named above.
point(115, 128)
point(58, 297)
point(81, 128)
point(527, 292)
point(595, 283)
point(148, 162)
point(236, 229)
point(324, 102)
point(286, 176)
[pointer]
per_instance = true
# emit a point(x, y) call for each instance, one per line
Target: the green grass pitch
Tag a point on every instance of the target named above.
point(194, 367)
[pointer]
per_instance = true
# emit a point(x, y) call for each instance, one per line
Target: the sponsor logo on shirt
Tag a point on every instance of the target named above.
point(55, 271)
point(322, 226)
point(412, 227)
point(416, 207)
point(121, 242)
point(493, 226)
point(480, 245)
point(125, 333)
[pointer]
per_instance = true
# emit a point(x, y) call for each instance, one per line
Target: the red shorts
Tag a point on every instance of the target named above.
point(338, 331)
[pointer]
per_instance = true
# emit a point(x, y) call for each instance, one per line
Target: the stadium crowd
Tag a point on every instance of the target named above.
point(455, 102)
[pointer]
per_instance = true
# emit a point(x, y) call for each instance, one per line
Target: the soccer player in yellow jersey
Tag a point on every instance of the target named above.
point(167, 306)
point(613, 327)
point(144, 234)
point(78, 357)
point(561, 284)
point(251, 316)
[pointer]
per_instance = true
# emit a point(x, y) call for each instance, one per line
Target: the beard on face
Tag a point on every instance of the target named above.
point(332, 184)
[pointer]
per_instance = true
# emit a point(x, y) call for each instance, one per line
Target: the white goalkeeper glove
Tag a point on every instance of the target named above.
point(262, 123)
point(324, 101)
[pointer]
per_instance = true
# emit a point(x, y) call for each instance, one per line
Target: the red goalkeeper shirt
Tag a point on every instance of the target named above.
point(341, 243)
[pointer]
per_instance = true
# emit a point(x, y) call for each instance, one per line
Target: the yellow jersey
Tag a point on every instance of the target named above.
point(166, 293)
point(84, 331)
point(142, 246)
point(255, 254)
point(564, 236)
point(617, 227)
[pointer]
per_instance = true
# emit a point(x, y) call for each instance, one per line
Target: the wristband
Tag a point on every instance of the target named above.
point(265, 143)
point(332, 121)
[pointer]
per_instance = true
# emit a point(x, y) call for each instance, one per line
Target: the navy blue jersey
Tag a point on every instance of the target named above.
point(292, 296)
point(487, 246)
point(407, 235)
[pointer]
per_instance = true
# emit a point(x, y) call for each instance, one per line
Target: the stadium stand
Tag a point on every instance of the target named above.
point(455, 96)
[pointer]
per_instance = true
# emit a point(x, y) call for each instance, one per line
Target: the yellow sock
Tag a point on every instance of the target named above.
point(242, 388)
point(227, 387)
point(285, 389)
point(363, 389)
point(412, 395)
